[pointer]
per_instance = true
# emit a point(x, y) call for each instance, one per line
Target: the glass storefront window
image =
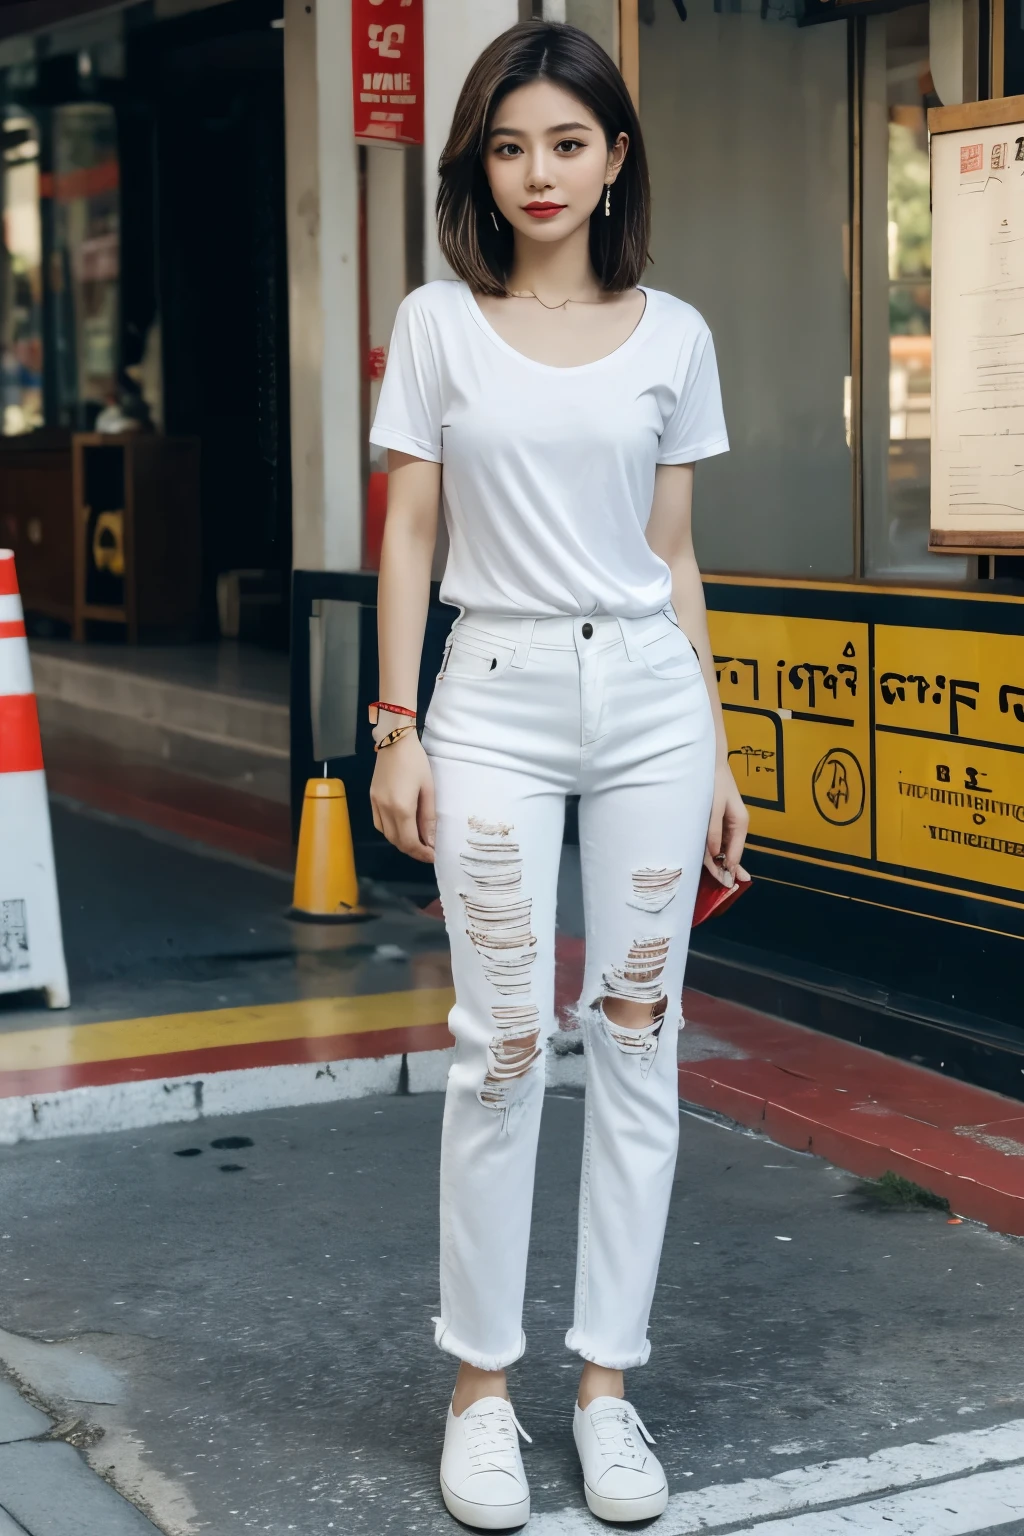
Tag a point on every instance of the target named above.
point(746, 125)
point(60, 279)
point(909, 242)
point(85, 261)
point(21, 295)
point(897, 300)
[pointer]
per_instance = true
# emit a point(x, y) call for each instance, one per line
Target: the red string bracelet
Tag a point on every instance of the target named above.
point(392, 709)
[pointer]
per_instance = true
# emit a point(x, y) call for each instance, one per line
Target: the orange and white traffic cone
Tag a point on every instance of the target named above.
point(31, 945)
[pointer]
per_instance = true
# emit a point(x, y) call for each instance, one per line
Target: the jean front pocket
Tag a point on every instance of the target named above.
point(475, 659)
point(668, 653)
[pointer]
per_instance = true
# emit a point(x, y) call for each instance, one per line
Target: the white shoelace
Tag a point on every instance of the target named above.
point(491, 1438)
point(615, 1431)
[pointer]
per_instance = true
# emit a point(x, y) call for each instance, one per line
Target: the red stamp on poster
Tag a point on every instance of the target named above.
point(387, 70)
point(972, 157)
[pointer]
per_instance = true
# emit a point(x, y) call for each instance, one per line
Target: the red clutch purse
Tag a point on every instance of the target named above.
point(713, 896)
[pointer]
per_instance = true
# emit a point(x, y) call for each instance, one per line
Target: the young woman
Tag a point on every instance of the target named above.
point(556, 409)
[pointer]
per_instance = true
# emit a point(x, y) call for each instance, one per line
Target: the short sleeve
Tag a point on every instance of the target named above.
point(408, 416)
point(696, 428)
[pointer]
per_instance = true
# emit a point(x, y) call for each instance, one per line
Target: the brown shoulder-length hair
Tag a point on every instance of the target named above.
point(538, 50)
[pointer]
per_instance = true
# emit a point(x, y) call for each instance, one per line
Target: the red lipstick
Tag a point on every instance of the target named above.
point(543, 210)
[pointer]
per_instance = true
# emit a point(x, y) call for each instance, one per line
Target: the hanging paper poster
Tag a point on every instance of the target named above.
point(387, 70)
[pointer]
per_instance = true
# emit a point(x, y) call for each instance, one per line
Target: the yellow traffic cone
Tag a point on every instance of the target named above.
point(326, 885)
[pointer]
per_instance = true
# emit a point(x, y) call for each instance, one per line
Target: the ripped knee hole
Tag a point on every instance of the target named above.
point(638, 984)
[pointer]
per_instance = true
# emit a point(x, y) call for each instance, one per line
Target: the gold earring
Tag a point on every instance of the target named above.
point(494, 220)
point(608, 201)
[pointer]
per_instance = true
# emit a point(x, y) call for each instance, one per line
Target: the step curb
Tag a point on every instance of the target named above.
point(976, 1165)
point(126, 1106)
point(274, 851)
point(244, 721)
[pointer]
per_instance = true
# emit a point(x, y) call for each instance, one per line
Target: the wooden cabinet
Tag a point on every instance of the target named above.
point(105, 528)
point(36, 520)
point(137, 559)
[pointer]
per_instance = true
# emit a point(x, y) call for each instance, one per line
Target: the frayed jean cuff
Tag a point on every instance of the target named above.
point(581, 1345)
point(445, 1339)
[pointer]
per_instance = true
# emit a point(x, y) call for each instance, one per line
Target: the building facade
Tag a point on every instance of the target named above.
point(861, 671)
point(193, 232)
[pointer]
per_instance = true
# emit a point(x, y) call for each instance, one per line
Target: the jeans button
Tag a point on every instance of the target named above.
point(588, 630)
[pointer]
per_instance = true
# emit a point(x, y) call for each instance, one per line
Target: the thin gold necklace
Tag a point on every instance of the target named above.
point(514, 294)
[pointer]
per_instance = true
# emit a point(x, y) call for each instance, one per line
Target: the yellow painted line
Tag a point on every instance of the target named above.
point(882, 589)
point(309, 1018)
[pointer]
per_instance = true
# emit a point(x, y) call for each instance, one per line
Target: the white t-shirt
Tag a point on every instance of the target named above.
point(548, 472)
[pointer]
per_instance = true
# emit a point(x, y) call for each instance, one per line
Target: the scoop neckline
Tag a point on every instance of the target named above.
point(533, 362)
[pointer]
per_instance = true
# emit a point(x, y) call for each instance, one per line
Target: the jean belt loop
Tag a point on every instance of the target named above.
point(522, 651)
point(627, 629)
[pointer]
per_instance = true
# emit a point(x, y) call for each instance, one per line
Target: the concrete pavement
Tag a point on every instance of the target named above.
point(223, 1326)
point(192, 996)
point(260, 1308)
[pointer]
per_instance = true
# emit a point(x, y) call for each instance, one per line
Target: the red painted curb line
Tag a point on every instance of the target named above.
point(373, 1044)
point(260, 847)
point(868, 1139)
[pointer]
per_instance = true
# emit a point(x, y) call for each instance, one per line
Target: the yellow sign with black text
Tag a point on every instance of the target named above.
point(949, 753)
point(899, 748)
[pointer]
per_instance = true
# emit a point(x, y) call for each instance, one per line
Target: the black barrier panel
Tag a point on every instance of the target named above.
point(375, 856)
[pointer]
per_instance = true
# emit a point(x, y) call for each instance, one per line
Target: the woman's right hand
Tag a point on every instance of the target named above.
point(402, 796)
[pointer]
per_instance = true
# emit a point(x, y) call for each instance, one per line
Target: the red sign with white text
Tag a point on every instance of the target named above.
point(387, 70)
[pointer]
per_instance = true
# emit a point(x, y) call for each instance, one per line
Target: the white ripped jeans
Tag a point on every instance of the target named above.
point(525, 712)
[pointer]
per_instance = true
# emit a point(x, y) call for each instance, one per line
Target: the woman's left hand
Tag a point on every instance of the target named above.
point(727, 830)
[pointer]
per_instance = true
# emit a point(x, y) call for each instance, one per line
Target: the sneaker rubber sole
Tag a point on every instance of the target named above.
point(625, 1510)
point(492, 1517)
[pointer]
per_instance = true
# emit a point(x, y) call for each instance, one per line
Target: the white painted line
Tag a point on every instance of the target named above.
point(829, 1482)
point(983, 1502)
point(165, 1100)
point(243, 1090)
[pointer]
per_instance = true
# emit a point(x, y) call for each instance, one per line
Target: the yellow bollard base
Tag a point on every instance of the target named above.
point(351, 915)
point(326, 887)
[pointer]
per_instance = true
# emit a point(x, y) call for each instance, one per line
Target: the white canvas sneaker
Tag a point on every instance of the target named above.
point(623, 1480)
point(482, 1477)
